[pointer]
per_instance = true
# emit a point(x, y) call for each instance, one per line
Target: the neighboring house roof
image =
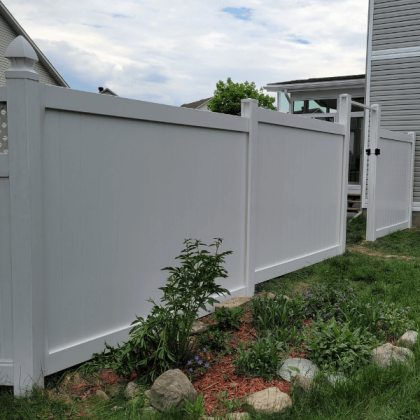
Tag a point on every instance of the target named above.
point(106, 91)
point(197, 104)
point(321, 79)
point(9, 30)
point(325, 83)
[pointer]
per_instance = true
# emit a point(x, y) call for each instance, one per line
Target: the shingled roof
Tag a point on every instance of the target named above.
point(196, 104)
point(322, 79)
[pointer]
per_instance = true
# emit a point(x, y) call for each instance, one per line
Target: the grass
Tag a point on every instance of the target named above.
point(370, 394)
point(403, 242)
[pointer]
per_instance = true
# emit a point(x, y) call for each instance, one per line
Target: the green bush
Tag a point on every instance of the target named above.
point(338, 347)
point(228, 317)
point(227, 97)
point(161, 341)
point(261, 359)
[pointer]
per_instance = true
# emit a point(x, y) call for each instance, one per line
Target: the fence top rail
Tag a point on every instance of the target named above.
point(63, 99)
point(3, 94)
point(395, 135)
point(362, 105)
point(296, 121)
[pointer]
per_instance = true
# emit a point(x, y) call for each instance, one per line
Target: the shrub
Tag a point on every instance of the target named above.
point(337, 347)
point(228, 317)
point(161, 341)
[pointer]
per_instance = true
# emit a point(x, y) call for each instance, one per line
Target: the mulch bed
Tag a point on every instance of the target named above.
point(221, 377)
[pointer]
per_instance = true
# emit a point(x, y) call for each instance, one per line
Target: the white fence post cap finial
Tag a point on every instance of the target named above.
point(23, 57)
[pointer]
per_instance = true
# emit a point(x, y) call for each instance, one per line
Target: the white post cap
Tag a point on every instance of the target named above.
point(23, 57)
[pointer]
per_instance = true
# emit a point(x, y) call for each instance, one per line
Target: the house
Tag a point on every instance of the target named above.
point(392, 80)
point(201, 105)
point(9, 30)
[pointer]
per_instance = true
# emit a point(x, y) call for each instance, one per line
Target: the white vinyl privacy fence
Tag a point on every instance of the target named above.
point(97, 194)
point(390, 186)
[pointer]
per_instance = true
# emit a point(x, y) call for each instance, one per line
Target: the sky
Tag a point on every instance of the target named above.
point(175, 51)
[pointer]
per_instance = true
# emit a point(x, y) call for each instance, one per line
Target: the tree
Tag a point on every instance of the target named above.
point(227, 97)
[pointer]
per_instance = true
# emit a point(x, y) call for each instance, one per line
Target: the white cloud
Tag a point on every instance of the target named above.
point(175, 51)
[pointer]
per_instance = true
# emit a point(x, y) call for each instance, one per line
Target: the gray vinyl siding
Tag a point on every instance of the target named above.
point(7, 35)
point(395, 83)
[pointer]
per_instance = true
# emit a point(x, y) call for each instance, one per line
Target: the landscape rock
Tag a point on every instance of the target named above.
point(131, 390)
point(383, 355)
point(302, 382)
point(333, 378)
point(270, 400)
point(235, 302)
point(170, 389)
point(265, 295)
point(102, 394)
point(306, 368)
point(113, 389)
point(408, 339)
point(147, 393)
point(198, 327)
point(230, 416)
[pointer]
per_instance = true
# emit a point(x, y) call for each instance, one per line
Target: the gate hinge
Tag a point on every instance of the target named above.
point(377, 152)
point(368, 152)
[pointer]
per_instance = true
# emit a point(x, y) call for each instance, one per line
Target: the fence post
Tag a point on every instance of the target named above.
point(249, 109)
point(344, 115)
point(23, 103)
point(375, 125)
point(410, 198)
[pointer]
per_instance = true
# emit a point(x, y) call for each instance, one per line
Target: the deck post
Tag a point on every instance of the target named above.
point(344, 116)
point(24, 123)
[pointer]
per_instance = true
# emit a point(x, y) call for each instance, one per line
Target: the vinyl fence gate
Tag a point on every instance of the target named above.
point(389, 178)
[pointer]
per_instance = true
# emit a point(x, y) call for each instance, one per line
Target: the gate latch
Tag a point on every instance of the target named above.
point(368, 152)
point(377, 152)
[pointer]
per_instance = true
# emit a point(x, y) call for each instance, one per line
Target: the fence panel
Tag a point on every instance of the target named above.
point(391, 183)
point(299, 193)
point(120, 196)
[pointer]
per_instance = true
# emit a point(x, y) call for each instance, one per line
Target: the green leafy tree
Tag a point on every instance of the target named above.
point(227, 97)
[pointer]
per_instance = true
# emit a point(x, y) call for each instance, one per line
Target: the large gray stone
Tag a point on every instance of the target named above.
point(170, 389)
point(198, 327)
point(302, 382)
point(408, 339)
point(270, 400)
point(306, 368)
point(385, 354)
point(235, 302)
point(131, 390)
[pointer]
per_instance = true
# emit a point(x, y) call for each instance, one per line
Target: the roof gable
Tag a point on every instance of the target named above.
point(9, 30)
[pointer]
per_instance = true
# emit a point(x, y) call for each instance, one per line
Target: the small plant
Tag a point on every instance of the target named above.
point(328, 300)
point(271, 314)
point(394, 322)
point(196, 366)
point(338, 347)
point(215, 340)
point(162, 340)
point(195, 410)
point(261, 359)
point(228, 318)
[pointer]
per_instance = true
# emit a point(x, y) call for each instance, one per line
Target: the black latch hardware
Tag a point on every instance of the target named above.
point(368, 152)
point(377, 152)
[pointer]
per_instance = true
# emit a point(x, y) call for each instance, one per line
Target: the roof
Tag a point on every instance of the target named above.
point(196, 104)
point(14, 24)
point(106, 91)
point(321, 79)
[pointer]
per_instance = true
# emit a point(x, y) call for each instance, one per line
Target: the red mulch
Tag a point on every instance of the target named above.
point(221, 377)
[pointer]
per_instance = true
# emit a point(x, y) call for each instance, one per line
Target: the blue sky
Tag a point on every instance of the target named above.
point(175, 51)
